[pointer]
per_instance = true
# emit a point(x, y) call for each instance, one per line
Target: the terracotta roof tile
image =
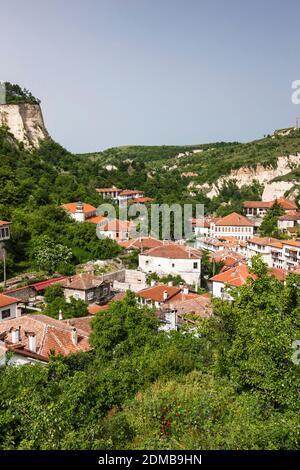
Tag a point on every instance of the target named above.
point(6, 300)
point(156, 293)
point(71, 207)
point(174, 251)
point(234, 219)
point(51, 335)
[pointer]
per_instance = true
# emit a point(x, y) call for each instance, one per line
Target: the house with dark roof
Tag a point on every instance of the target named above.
point(87, 287)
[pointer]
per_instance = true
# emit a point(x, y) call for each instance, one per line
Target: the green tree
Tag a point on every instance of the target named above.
point(268, 227)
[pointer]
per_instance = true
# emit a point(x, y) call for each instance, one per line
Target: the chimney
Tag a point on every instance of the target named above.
point(165, 295)
point(32, 342)
point(170, 283)
point(60, 315)
point(153, 282)
point(15, 335)
point(74, 336)
point(79, 213)
point(185, 290)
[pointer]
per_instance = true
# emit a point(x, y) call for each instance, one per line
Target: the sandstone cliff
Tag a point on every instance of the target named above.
point(264, 175)
point(25, 121)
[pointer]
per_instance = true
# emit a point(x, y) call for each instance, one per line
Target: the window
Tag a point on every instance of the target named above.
point(195, 265)
point(5, 313)
point(90, 295)
point(173, 265)
point(147, 262)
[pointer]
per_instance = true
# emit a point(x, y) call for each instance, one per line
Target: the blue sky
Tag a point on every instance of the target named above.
point(120, 72)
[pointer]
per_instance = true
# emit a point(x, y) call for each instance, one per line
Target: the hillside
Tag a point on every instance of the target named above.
point(201, 172)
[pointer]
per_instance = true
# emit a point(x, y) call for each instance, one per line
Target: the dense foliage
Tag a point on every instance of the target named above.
point(234, 386)
point(15, 95)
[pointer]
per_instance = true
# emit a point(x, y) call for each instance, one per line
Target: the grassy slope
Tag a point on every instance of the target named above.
point(216, 159)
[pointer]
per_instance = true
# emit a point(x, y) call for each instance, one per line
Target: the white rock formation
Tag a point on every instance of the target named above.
point(25, 121)
point(264, 175)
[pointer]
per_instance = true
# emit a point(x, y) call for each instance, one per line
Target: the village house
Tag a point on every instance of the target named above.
point(8, 307)
point(79, 211)
point(289, 220)
point(141, 243)
point(4, 230)
point(234, 225)
point(32, 338)
point(116, 229)
point(233, 277)
point(172, 302)
point(177, 260)
point(259, 208)
point(200, 227)
point(4, 235)
point(87, 287)
point(109, 193)
point(237, 277)
point(263, 246)
point(291, 253)
point(120, 195)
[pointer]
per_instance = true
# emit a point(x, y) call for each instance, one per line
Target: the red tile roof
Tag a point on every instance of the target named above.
point(143, 242)
point(4, 222)
point(280, 274)
point(130, 192)
point(290, 216)
point(174, 251)
point(98, 219)
point(39, 286)
point(263, 241)
point(71, 207)
point(234, 219)
point(295, 243)
point(156, 293)
point(94, 308)
point(83, 281)
point(117, 225)
point(6, 300)
point(51, 335)
point(236, 276)
point(108, 190)
point(142, 200)
point(284, 203)
point(199, 305)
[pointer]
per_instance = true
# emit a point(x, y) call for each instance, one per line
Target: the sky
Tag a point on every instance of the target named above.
point(154, 72)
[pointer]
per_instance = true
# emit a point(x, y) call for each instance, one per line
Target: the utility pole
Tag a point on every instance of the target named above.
point(297, 123)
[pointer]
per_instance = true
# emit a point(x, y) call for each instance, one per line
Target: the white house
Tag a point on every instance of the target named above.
point(234, 277)
point(288, 220)
point(175, 260)
point(259, 208)
point(80, 211)
point(115, 229)
point(233, 225)
point(109, 193)
point(263, 246)
point(8, 307)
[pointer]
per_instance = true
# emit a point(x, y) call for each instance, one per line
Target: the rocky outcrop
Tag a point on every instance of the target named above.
point(262, 174)
point(25, 122)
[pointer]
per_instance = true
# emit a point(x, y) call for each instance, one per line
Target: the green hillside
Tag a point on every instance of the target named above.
point(159, 170)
